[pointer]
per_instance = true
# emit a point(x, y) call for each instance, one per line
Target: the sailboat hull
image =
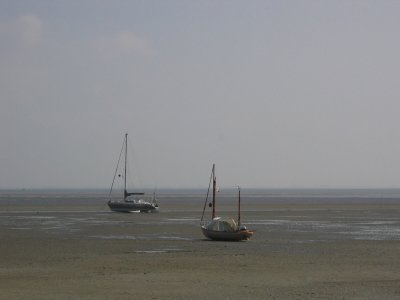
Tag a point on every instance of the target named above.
point(238, 235)
point(132, 207)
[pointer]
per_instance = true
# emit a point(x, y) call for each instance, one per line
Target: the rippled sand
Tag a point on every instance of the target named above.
point(301, 250)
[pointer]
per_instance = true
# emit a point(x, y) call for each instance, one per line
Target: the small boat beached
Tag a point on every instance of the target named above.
point(223, 229)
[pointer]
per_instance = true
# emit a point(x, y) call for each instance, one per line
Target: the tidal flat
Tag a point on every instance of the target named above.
point(64, 245)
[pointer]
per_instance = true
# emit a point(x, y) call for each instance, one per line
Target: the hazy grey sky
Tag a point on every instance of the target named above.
point(276, 93)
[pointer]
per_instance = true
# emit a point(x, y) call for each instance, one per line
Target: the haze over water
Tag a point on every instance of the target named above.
point(278, 94)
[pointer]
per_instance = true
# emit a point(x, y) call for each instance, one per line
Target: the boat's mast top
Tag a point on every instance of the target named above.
point(214, 190)
point(239, 207)
point(126, 153)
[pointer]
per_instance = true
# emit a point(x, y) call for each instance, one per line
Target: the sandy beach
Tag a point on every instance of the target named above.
point(74, 249)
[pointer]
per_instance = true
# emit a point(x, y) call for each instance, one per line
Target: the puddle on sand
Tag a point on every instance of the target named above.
point(183, 219)
point(21, 228)
point(141, 237)
point(378, 229)
point(159, 251)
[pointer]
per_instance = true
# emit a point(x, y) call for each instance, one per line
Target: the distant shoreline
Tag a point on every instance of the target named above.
point(226, 191)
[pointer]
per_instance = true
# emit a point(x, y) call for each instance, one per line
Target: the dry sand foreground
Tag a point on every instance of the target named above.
point(102, 255)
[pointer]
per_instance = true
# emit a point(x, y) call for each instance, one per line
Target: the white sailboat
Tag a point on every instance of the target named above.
point(133, 201)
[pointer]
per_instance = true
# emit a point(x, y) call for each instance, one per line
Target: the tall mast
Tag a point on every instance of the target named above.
point(126, 153)
point(214, 188)
point(208, 192)
point(239, 207)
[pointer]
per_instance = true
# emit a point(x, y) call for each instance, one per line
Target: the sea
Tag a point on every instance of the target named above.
point(302, 215)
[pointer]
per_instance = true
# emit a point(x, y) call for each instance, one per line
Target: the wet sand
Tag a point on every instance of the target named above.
point(301, 250)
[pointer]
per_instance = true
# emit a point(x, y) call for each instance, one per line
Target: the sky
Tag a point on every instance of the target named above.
point(278, 94)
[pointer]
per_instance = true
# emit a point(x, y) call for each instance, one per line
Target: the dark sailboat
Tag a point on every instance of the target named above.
point(130, 202)
point(223, 229)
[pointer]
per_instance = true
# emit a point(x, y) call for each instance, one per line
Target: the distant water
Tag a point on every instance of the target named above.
point(224, 192)
point(194, 198)
point(303, 215)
